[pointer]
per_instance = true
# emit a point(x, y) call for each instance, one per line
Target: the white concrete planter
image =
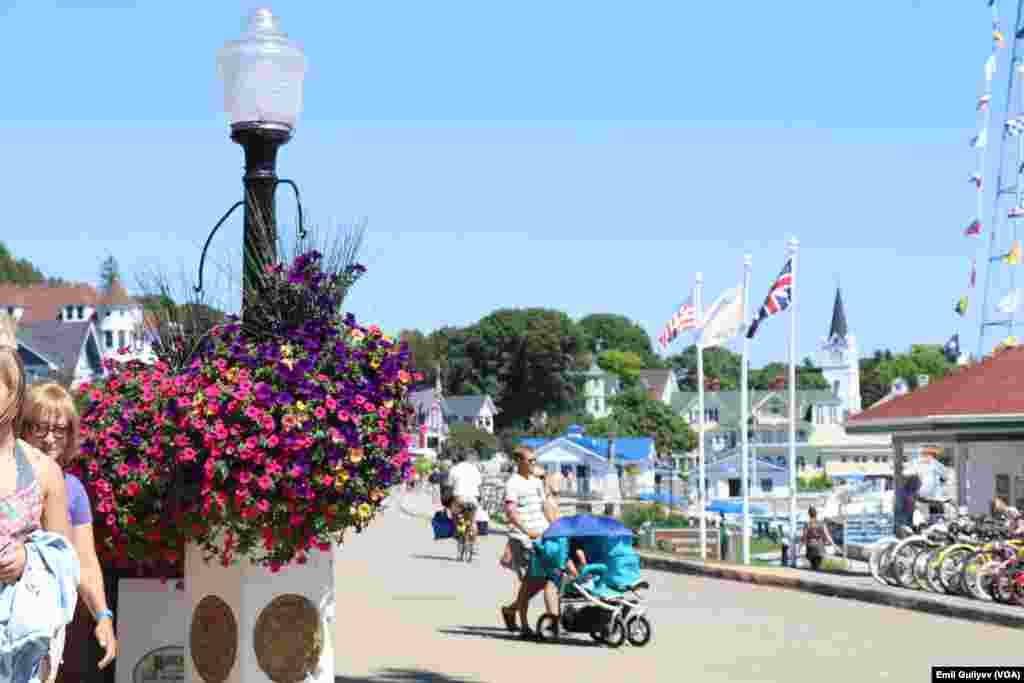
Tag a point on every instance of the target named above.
point(246, 591)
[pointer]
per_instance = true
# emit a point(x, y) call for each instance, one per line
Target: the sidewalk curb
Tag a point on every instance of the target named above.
point(965, 612)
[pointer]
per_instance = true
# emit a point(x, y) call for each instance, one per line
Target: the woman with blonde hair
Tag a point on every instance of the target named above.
point(50, 423)
point(34, 612)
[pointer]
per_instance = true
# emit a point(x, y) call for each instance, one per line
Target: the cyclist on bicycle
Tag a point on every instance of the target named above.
point(465, 480)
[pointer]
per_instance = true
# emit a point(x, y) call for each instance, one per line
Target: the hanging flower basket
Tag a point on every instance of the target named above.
point(280, 435)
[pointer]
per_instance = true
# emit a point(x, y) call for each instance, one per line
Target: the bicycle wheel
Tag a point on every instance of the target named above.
point(932, 575)
point(985, 578)
point(902, 563)
point(950, 565)
point(920, 568)
point(971, 577)
point(878, 553)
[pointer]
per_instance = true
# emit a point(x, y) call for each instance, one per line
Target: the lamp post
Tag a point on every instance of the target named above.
point(263, 72)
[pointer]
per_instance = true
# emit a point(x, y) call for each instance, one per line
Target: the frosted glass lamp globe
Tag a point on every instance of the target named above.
point(262, 73)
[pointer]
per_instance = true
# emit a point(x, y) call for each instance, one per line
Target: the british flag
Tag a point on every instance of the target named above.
point(778, 298)
point(685, 318)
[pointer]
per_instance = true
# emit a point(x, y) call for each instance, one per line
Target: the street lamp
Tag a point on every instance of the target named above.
point(263, 73)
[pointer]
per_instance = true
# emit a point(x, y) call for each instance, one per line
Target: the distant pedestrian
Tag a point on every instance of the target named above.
point(905, 502)
point(815, 538)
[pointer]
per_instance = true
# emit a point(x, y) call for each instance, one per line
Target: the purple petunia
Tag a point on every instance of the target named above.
point(264, 392)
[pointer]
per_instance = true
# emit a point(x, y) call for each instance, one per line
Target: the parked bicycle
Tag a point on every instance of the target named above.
point(972, 557)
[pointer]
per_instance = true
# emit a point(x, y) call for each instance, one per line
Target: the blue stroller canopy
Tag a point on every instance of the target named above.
point(582, 526)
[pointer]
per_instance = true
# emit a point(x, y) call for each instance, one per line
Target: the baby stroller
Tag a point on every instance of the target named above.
point(605, 599)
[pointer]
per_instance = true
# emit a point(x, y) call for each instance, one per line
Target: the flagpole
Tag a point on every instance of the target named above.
point(701, 485)
point(747, 260)
point(794, 246)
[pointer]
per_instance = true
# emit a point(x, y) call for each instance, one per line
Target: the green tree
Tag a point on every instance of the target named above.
point(422, 354)
point(634, 413)
point(18, 271)
point(808, 377)
point(921, 359)
point(556, 425)
point(528, 360)
point(619, 333)
point(721, 364)
point(871, 388)
point(109, 272)
point(624, 364)
point(463, 438)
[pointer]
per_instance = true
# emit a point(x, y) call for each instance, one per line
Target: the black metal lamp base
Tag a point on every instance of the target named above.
point(260, 141)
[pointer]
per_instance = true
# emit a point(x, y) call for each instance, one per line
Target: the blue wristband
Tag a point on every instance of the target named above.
point(104, 614)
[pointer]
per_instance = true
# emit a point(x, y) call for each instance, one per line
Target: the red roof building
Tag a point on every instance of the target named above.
point(975, 414)
point(993, 388)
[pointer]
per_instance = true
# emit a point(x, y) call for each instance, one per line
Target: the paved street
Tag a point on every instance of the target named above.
point(407, 611)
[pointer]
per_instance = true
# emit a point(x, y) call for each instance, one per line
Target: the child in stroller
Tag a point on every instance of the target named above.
point(599, 582)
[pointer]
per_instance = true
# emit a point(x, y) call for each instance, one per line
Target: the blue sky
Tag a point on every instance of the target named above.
point(569, 154)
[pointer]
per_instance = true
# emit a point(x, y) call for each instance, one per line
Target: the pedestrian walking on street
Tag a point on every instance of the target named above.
point(815, 539)
point(39, 570)
point(524, 509)
point(51, 424)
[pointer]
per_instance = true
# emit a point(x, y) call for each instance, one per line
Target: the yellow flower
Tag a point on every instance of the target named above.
point(387, 340)
point(288, 362)
point(286, 350)
point(339, 482)
point(300, 406)
point(374, 363)
point(365, 510)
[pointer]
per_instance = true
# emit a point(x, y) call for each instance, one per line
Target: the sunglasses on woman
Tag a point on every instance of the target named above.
point(41, 429)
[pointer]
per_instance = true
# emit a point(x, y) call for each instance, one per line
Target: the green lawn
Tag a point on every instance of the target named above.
point(764, 545)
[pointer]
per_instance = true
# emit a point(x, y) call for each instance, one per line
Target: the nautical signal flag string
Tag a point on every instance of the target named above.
point(979, 143)
point(960, 307)
point(1013, 258)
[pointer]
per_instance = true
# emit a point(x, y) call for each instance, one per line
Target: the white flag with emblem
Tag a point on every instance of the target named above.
point(723, 319)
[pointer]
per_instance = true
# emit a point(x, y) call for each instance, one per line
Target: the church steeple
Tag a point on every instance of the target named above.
point(838, 328)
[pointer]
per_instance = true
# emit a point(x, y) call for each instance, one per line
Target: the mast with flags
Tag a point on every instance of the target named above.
point(780, 297)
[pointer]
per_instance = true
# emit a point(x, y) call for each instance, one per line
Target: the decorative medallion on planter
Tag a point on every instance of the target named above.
point(213, 639)
point(288, 638)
